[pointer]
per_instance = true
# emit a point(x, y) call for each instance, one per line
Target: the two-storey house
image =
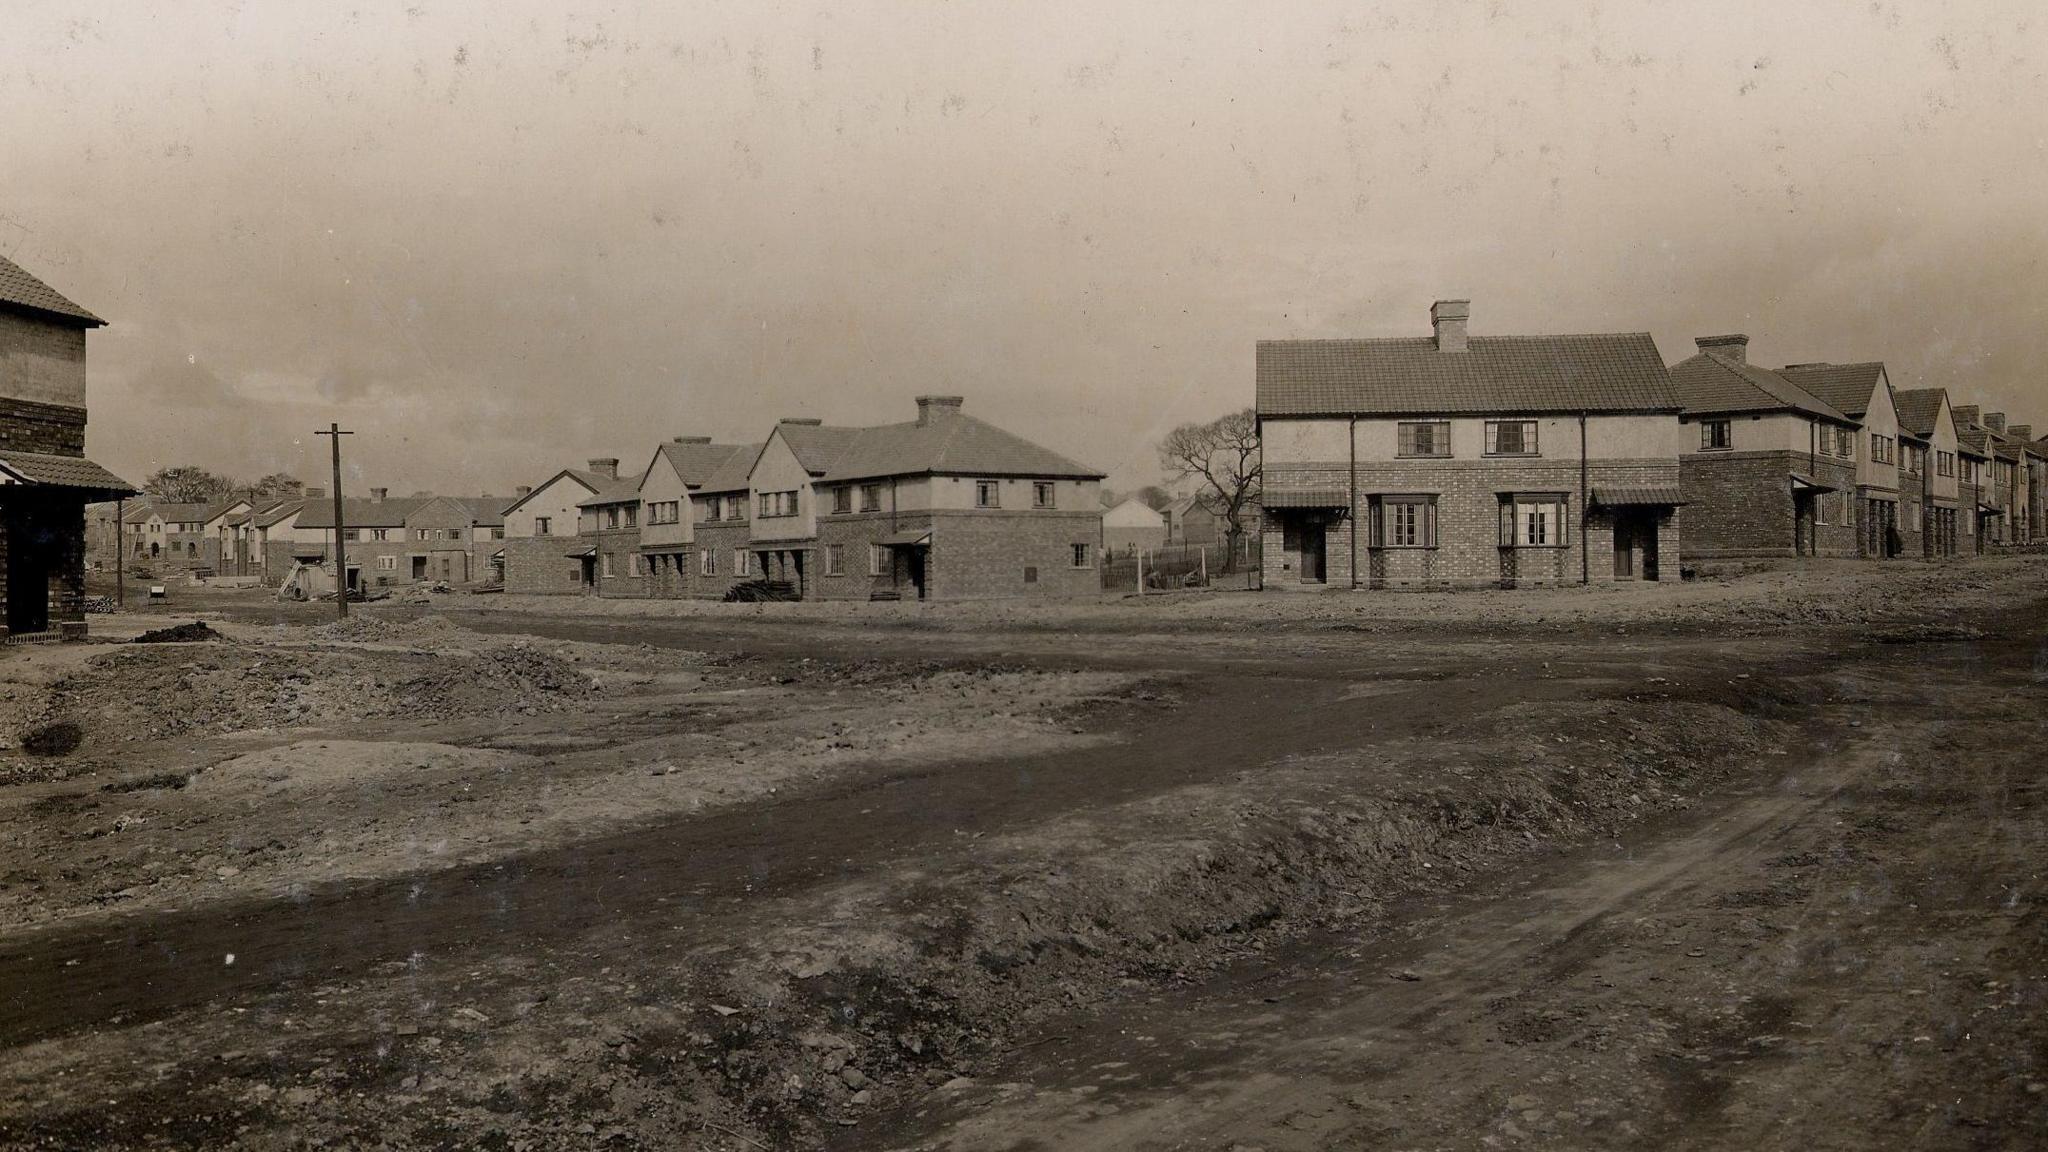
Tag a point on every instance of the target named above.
point(1467, 460)
point(1768, 468)
point(1926, 416)
point(45, 479)
point(1863, 392)
point(608, 533)
point(670, 511)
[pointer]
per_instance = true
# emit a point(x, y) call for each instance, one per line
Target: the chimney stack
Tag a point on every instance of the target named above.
point(930, 407)
point(316, 493)
point(1964, 414)
point(802, 421)
point(1995, 421)
point(1733, 346)
point(378, 494)
point(523, 491)
point(693, 440)
point(1448, 318)
point(2020, 431)
point(606, 466)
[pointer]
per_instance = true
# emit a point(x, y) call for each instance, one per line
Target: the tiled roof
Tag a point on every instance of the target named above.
point(64, 472)
point(1618, 372)
point(172, 513)
point(948, 444)
point(1708, 384)
point(1846, 386)
point(1974, 441)
point(731, 476)
point(815, 446)
point(1307, 498)
point(611, 491)
point(1650, 494)
point(360, 512)
point(22, 290)
point(695, 463)
point(1919, 408)
point(283, 511)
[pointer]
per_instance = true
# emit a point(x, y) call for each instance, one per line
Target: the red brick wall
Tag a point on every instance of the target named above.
point(1468, 551)
point(1741, 504)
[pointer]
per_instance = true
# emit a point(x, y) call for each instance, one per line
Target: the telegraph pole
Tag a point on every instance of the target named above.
point(340, 550)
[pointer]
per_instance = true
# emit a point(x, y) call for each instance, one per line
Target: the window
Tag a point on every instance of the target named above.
point(1083, 556)
point(1821, 500)
point(1944, 463)
point(988, 494)
point(388, 563)
point(707, 563)
point(1845, 443)
point(1511, 438)
point(380, 533)
point(878, 560)
point(604, 562)
point(835, 554)
point(842, 500)
point(423, 534)
point(1031, 573)
point(664, 512)
point(1041, 494)
point(778, 503)
point(742, 564)
point(1715, 435)
point(609, 517)
point(1405, 522)
point(639, 564)
point(1877, 448)
point(1533, 521)
point(871, 497)
point(735, 507)
point(455, 533)
point(1425, 438)
point(498, 533)
point(542, 526)
point(632, 512)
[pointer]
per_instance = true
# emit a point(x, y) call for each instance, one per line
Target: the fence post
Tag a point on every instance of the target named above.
point(1205, 565)
point(1141, 571)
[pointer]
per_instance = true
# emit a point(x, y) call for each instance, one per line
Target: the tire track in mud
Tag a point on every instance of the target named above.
point(68, 979)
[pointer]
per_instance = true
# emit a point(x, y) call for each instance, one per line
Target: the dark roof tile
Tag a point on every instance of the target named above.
point(22, 290)
point(1608, 372)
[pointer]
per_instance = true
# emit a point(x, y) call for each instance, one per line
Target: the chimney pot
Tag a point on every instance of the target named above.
point(1448, 318)
point(605, 466)
point(930, 407)
point(1964, 414)
point(378, 494)
point(523, 491)
point(805, 421)
point(1733, 346)
point(1995, 421)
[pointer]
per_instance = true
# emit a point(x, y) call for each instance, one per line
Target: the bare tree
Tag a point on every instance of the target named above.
point(1223, 457)
point(187, 484)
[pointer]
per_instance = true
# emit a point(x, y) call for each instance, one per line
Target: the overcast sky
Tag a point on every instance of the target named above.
point(494, 239)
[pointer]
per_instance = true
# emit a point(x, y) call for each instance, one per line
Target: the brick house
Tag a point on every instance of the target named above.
point(1467, 460)
point(1863, 392)
point(45, 479)
point(722, 527)
point(670, 511)
point(608, 534)
point(167, 537)
point(541, 554)
point(1935, 462)
point(396, 540)
point(1768, 468)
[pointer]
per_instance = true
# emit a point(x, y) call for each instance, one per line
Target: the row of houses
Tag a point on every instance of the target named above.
point(945, 506)
point(1460, 459)
point(389, 540)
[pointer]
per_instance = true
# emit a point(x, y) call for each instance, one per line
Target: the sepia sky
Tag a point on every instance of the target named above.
point(494, 238)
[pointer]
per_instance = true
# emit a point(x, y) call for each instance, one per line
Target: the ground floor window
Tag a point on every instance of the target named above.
point(1082, 558)
point(707, 563)
point(605, 565)
point(742, 563)
point(878, 560)
point(835, 559)
point(1532, 521)
point(1404, 522)
point(639, 564)
point(387, 563)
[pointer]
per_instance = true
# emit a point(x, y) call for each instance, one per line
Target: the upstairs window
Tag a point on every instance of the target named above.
point(1511, 438)
point(1944, 463)
point(1716, 435)
point(871, 497)
point(988, 494)
point(775, 504)
point(1042, 494)
point(543, 526)
point(842, 500)
point(632, 512)
point(1845, 443)
point(1425, 438)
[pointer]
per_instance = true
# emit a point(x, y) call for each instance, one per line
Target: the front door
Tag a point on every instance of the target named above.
point(28, 582)
point(1314, 553)
point(1635, 544)
point(419, 567)
point(1802, 524)
point(1624, 546)
point(914, 560)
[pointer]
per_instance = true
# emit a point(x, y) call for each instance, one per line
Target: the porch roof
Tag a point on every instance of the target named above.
point(908, 539)
point(52, 471)
point(1657, 494)
point(587, 552)
point(1802, 480)
point(1306, 498)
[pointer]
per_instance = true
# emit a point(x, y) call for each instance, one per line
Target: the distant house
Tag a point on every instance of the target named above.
point(392, 540)
point(1199, 519)
point(670, 508)
point(168, 536)
point(1458, 459)
point(608, 534)
point(1133, 526)
point(1768, 468)
point(541, 553)
point(1926, 415)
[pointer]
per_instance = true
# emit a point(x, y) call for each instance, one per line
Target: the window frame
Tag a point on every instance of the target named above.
point(992, 490)
point(1391, 513)
point(1726, 435)
point(835, 559)
point(1518, 520)
point(880, 563)
point(1044, 495)
point(1493, 430)
point(742, 563)
point(707, 562)
point(1081, 555)
point(543, 526)
point(1405, 440)
point(871, 497)
point(842, 499)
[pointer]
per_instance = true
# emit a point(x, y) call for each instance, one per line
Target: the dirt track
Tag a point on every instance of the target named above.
point(1181, 908)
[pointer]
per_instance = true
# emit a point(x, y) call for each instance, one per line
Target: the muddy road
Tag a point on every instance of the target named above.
point(1317, 886)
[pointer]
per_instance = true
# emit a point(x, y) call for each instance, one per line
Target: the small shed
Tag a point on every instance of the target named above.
point(1133, 526)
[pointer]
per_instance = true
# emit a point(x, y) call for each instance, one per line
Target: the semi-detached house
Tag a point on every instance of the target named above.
point(1863, 392)
point(1467, 460)
point(1927, 418)
point(1768, 468)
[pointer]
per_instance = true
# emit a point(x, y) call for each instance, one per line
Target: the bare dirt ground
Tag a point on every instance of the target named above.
point(1752, 862)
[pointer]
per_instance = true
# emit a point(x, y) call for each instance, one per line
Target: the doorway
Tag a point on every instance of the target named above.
point(28, 580)
point(419, 567)
point(1635, 544)
point(913, 562)
point(1315, 548)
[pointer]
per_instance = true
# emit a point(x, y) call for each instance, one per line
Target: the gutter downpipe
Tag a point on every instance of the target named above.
point(1585, 512)
point(1352, 511)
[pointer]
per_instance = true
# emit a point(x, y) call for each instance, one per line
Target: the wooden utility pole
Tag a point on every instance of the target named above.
point(340, 549)
point(120, 552)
